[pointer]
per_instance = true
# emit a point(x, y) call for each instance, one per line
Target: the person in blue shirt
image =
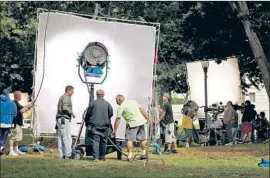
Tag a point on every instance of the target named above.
point(8, 111)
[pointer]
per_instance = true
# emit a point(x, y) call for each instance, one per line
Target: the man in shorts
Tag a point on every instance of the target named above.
point(136, 117)
point(167, 116)
point(248, 118)
point(187, 126)
point(17, 130)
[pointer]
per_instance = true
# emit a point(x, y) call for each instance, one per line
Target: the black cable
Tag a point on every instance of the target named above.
point(44, 57)
point(118, 149)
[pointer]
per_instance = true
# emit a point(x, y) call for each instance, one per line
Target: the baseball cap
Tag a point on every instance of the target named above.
point(167, 95)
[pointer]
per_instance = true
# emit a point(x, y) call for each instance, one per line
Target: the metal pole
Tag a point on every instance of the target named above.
point(86, 141)
point(92, 93)
point(149, 135)
point(206, 98)
point(108, 18)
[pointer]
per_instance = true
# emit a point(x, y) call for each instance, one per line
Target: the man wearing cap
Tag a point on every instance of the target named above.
point(98, 122)
point(167, 117)
point(135, 117)
point(8, 111)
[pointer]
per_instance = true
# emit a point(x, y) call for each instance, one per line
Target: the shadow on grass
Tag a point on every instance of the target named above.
point(71, 168)
point(48, 166)
point(220, 161)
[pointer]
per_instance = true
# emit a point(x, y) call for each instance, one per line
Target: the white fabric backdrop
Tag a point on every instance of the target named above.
point(131, 49)
point(223, 82)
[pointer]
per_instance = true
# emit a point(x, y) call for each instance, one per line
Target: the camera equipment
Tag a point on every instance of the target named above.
point(190, 106)
point(242, 107)
point(211, 133)
point(216, 109)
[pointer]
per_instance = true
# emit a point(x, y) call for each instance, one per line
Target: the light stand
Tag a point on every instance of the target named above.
point(93, 60)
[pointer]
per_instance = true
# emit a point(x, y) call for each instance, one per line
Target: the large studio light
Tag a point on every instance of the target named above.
point(93, 59)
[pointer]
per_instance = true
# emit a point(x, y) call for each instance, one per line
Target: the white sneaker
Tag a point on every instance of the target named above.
point(187, 145)
point(229, 144)
point(19, 152)
point(1, 148)
point(12, 153)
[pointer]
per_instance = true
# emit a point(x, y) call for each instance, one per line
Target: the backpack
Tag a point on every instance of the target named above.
point(156, 149)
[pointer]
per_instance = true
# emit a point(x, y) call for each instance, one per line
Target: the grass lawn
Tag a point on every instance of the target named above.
point(231, 161)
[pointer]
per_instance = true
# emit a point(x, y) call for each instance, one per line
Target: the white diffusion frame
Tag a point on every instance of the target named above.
point(131, 49)
point(223, 83)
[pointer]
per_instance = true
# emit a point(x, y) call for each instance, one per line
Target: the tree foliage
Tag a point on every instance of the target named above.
point(190, 31)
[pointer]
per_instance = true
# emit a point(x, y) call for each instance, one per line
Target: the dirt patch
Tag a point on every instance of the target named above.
point(228, 151)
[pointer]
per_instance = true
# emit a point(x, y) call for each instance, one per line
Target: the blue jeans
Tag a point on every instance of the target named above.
point(229, 131)
point(3, 136)
point(64, 137)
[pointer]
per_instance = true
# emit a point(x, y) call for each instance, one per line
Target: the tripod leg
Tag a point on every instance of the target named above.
point(79, 135)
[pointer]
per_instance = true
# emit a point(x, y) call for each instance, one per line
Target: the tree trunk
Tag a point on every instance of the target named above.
point(255, 45)
point(254, 42)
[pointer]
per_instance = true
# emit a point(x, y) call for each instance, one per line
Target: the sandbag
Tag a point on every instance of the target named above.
point(23, 148)
point(264, 163)
point(39, 148)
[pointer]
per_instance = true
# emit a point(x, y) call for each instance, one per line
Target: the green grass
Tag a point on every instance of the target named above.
point(235, 161)
point(239, 161)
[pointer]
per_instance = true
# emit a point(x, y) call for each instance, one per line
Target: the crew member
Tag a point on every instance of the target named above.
point(167, 116)
point(187, 127)
point(136, 117)
point(8, 110)
point(63, 119)
point(17, 131)
point(229, 119)
point(98, 122)
point(262, 126)
point(248, 118)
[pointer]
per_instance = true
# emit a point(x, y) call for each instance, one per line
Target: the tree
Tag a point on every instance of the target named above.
point(209, 30)
point(17, 38)
point(256, 47)
point(190, 31)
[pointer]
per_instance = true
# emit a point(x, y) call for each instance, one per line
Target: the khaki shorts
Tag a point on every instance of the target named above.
point(135, 133)
point(17, 133)
point(169, 133)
